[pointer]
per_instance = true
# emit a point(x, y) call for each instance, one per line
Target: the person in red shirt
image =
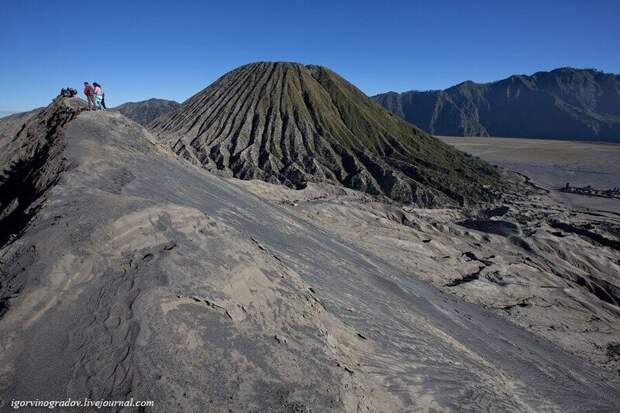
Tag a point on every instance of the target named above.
point(89, 92)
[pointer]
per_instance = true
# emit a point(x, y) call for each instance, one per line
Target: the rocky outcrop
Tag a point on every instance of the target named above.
point(291, 124)
point(564, 103)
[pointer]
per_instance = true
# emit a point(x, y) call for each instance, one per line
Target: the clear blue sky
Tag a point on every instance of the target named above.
point(172, 49)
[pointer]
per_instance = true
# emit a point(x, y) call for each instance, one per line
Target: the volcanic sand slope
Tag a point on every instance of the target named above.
point(290, 123)
point(553, 270)
point(146, 111)
point(144, 276)
point(563, 104)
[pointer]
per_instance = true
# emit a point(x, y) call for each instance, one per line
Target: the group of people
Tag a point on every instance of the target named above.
point(95, 96)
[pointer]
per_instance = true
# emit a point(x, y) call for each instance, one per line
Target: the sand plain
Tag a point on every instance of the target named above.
point(553, 163)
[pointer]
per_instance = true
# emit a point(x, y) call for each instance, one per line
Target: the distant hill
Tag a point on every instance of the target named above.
point(147, 110)
point(291, 123)
point(563, 103)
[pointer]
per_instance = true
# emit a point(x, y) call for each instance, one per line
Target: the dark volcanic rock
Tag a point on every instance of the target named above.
point(146, 111)
point(564, 103)
point(290, 123)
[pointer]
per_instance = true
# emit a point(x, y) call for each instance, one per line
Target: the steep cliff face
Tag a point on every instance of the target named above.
point(290, 123)
point(563, 103)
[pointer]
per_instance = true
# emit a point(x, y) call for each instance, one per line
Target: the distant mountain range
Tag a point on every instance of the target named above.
point(564, 103)
point(147, 110)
